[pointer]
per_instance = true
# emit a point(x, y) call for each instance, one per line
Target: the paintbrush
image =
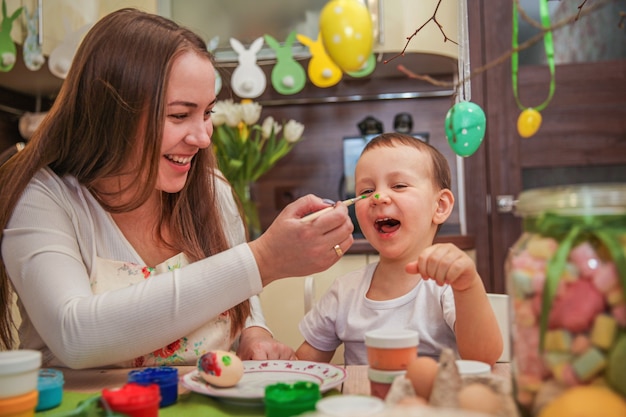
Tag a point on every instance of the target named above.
point(315, 215)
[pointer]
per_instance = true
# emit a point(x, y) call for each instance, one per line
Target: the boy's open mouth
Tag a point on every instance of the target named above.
point(386, 225)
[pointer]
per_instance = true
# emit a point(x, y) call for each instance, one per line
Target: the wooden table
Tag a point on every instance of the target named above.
point(82, 385)
point(94, 380)
point(358, 383)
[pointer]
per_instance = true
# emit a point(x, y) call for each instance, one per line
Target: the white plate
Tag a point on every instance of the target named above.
point(258, 374)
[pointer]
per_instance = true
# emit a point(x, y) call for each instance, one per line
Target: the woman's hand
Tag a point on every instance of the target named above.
point(291, 248)
point(256, 343)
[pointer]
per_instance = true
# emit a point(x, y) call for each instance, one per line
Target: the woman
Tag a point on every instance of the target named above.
point(123, 246)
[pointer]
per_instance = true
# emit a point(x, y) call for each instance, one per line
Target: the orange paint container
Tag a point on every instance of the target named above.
point(391, 350)
point(20, 405)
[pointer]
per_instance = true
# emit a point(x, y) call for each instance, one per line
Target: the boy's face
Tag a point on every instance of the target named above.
point(400, 216)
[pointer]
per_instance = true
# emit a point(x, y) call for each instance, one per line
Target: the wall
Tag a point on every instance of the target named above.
point(315, 165)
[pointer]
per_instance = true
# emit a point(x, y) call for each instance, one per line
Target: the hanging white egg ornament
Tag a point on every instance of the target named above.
point(347, 33)
point(528, 122)
point(465, 127)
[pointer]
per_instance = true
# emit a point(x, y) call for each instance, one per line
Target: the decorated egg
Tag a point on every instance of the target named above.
point(528, 122)
point(220, 368)
point(465, 127)
point(347, 33)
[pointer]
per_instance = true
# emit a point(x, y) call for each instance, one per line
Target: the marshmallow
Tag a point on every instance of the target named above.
point(576, 308)
point(558, 341)
point(605, 277)
point(589, 364)
point(585, 258)
point(580, 344)
point(522, 282)
point(603, 331)
point(619, 313)
point(542, 247)
point(616, 370)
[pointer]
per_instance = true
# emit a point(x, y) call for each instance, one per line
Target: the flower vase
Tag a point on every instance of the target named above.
point(250, 209)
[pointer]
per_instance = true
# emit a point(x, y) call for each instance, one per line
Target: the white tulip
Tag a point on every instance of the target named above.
point(250, 112)
point(233, 114)
point(219, 114)
point(293, 131)
point(268, 125)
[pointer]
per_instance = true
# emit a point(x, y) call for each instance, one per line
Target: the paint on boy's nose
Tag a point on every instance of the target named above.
point(376, 196)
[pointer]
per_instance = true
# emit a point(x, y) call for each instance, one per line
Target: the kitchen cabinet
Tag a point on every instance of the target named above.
point(59, 20)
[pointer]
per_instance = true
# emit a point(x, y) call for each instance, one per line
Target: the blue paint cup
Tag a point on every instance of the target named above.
point(164, 376)
point(50, 386)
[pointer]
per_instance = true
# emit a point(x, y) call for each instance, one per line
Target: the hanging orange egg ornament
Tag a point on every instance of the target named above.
point(528, 122)
point(347, 33)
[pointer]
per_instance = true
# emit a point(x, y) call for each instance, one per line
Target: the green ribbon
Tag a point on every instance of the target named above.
point(570, 231)
point(548, 43)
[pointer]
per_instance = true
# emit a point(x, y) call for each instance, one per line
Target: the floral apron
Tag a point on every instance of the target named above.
point(215, 334)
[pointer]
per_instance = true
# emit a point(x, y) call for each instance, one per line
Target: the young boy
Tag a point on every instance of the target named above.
point(432, 288)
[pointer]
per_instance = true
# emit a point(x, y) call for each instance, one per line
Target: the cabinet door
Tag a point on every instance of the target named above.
point(582, 137)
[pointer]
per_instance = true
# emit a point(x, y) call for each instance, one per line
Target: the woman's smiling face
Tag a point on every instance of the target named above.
point(404, 207)
point(189, 100)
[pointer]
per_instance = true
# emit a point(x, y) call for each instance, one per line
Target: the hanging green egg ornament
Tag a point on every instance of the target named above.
point(528, 122)
point(465, 127)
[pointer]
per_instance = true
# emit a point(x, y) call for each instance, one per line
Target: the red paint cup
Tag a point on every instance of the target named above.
point(134, 400)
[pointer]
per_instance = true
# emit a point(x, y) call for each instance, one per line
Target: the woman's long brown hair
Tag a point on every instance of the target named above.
point(111, 103)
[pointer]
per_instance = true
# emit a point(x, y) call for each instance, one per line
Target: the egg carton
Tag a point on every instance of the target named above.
point(447, 385)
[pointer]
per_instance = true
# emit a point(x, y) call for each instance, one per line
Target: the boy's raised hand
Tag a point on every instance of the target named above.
point(446, 264)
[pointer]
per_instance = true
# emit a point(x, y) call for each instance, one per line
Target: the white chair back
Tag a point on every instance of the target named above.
point(500, 305)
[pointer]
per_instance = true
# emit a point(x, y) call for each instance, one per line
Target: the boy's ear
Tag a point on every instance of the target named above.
point(445, 204)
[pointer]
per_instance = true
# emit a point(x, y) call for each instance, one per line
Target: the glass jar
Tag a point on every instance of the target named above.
point(566, 276)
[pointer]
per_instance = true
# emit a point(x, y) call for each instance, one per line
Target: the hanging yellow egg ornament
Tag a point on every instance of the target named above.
point(347, 33)
point(528, 122)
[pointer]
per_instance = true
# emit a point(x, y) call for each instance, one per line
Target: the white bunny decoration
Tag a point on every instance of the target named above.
point(61, 57)
point(248, 80)
point(211, 46)
point(33, 57)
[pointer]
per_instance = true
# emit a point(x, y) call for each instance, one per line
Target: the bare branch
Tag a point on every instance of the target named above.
point(433, 18)
point(580, 9)
point(427, 78)
point(505, 56)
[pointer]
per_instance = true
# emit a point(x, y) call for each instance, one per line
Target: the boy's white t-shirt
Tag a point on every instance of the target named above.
point(344, 313)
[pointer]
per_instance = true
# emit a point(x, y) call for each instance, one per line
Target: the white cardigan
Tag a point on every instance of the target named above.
point(49, 249)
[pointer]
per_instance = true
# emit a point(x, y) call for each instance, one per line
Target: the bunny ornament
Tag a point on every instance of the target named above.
point(211, 46)
point(33, 57)
point(323, 72)
point(288, 76)
point(248, 80)
point(8, 50)
point(61, 57)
